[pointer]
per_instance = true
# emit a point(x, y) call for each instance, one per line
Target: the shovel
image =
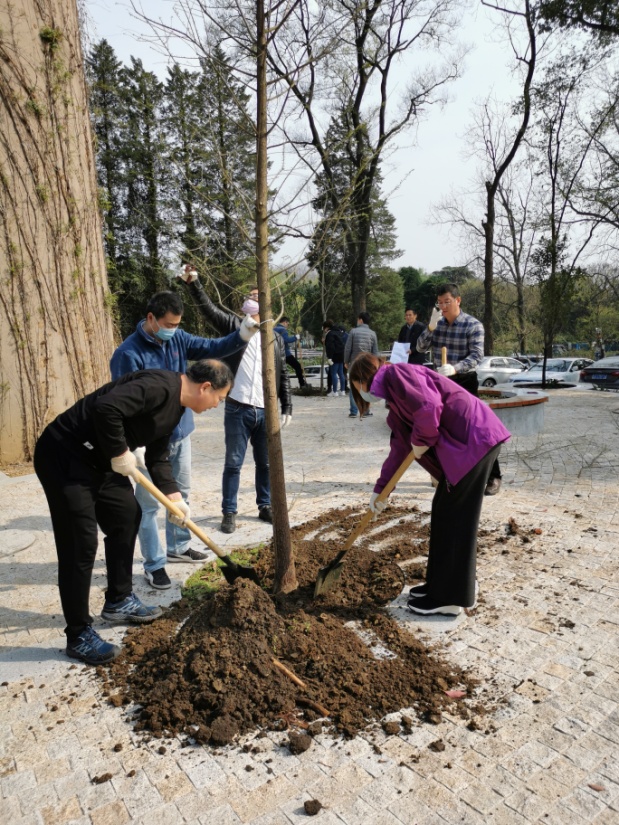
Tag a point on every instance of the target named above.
point(328, 575)
point(231, 570)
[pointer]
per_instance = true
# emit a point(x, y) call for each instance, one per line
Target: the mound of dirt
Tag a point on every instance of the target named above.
point(243, 660)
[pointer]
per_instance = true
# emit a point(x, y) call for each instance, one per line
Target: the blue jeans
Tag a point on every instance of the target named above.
point(243, 423)
point(354, 410)
point(337, 372)
point(177, 538)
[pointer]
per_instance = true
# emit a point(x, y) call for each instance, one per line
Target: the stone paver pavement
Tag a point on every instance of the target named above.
point(544, 644)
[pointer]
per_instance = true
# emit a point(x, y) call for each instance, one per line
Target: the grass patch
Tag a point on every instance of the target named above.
point(208, 579)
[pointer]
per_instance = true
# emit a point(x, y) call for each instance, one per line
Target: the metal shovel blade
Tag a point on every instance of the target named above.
point(329, 575)
point(232, 571)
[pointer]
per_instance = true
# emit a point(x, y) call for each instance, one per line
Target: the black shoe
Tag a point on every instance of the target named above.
point(426, 606)
point(367, 414)
point(190, 556)
point(266, 514)
point(352, 415)
point(228, 523)
point(418, 591)
point(158, 579)
point(492, 487)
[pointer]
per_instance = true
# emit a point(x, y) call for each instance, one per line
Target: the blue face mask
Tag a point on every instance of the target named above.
point(164, 334)
point(367, 396)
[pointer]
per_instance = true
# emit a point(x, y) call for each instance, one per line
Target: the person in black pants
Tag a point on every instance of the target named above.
point(83, 460)
point(409, 334)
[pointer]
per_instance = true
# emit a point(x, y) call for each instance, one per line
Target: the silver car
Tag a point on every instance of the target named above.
point(559, 371)
point(497, 370)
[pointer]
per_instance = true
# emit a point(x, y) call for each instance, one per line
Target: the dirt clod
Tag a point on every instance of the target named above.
point(299, 743)
point(312, 806)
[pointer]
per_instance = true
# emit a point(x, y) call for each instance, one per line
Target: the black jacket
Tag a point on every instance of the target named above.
point(334, 345)
point(225, 322)
point(409, 335)
point(140, 409)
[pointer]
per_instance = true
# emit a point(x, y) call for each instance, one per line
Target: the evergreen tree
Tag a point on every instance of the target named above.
point(108, 116)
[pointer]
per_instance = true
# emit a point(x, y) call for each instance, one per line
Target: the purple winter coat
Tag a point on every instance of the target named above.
point(427, 409)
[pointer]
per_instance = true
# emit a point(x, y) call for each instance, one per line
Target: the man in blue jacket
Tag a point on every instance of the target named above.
point(282, 329)
point(158, 343)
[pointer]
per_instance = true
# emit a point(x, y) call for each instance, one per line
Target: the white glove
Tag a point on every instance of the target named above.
point(447, 370)
point(377, 506)
point(188, 274)
point(140, 457)
point(419, 450)
point(286, 419)
point(180, 521)
point(125, 464)
point(330, 362)
point(298, 337)
point(434, 319)
point(248, 328)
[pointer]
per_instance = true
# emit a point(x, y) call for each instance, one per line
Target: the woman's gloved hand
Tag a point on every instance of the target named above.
point(375, 505)
point(419, 450)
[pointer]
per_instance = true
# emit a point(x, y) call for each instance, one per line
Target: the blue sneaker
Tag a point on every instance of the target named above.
point(130, 609)
point(89, 647)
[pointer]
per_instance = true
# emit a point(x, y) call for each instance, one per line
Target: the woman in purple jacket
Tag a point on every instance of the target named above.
point(456, 437)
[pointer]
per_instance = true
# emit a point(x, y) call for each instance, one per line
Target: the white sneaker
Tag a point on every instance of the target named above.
point(331, 394)
point(342, 394)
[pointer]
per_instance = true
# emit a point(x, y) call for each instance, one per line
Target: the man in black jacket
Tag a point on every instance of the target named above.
point(244, 418)
point(83, 460)
point(409, 334)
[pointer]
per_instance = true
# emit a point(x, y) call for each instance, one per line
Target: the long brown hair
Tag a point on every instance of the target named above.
point(363, 369)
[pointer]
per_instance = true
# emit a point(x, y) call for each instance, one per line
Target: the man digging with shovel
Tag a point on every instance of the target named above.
point(83, 459)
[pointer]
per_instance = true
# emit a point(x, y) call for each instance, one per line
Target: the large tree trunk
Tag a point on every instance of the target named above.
point(285, 574)
point(56, 336)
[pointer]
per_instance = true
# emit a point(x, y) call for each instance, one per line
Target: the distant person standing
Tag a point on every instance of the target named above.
point(360, 339)
point(409, 334)
point(463, 337)
point(289, 338)
point(334, 349)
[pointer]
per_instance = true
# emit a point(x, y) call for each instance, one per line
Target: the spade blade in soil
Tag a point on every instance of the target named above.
point(329, 575)
point(233, 571)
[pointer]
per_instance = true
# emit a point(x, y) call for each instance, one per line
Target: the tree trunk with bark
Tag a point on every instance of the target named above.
point(57, 334)
point(285, 574)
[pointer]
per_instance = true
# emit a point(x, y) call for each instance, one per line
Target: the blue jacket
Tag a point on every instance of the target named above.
point(139, 351)
point(288, 338)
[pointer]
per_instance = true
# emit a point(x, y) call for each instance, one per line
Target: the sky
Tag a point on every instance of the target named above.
point(428, 165)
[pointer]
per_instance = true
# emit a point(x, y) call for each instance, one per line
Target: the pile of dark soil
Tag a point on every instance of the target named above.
point(214, 671)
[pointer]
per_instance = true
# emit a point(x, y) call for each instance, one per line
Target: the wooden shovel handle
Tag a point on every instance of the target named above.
point(367, 518)
point(443, 356)
point(141, 479)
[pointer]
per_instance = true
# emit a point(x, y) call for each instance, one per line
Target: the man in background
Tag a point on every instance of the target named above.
point(289, 338)
point(463, 337)
point(360, 339)
point(409, 334)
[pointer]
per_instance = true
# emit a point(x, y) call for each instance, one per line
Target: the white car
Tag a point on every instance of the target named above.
point(312, 375)
point(497, 370)
point(559, 371)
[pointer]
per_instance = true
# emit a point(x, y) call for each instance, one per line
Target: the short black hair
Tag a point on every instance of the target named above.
point(410, 309)
point(328, 324)
point(284, 319)
point(164, 302)
point(451, 288)
point(208, 369)
point(365, 317)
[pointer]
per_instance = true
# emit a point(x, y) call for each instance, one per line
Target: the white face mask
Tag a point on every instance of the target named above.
point(367, 396)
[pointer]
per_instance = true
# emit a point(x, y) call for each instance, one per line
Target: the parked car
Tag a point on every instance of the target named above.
point(603, 374)
point(497, 370)
point(529, 360)
point(312, 375)
point(559, 371)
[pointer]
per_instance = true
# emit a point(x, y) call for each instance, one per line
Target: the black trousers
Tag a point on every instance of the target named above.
point(81, 499)
point(452, 558)
point(298, 369)
point(468, 380)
